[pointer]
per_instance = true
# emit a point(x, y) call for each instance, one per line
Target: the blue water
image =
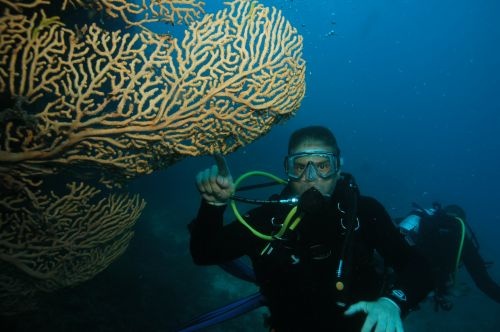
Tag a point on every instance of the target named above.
point(411, 90)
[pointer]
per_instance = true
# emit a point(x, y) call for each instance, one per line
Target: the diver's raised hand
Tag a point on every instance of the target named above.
point(215, 188)
point(382, 315)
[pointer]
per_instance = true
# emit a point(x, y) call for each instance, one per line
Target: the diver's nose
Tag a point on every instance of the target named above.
point(311, 173)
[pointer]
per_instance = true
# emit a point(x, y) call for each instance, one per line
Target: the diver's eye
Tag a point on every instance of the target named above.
point(324, 166)
point(299, 167)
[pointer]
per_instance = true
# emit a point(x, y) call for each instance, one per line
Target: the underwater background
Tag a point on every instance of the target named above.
point(411, 90)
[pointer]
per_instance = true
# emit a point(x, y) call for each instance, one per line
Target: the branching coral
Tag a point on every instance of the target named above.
point(136, 102)
point(117, 104)
point(140, 13)
point(51, 241)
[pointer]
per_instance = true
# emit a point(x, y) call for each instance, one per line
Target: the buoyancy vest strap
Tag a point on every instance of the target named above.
point(344, 265)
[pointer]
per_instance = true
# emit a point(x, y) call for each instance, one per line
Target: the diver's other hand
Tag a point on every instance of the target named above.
point(382, 315)
point(214, 188)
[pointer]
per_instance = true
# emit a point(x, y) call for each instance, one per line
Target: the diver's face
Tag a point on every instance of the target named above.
point(313, 164)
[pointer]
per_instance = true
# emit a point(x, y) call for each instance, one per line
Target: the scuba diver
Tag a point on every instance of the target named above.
point(446, 239)
point(312, 246)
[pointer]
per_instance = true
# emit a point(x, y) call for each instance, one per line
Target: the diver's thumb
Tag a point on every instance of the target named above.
point(361, 306)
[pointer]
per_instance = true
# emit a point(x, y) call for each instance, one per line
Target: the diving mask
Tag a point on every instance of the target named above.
point(312, 165)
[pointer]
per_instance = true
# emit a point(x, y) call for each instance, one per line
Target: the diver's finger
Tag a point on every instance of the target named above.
point(356, 307)
point(225, 182)
point(381, 326)
point(208, 180)
point(214, 173)
point(399, 326)
point(212, 185)
point(219, 182)
point(197, 181)
point(207, 197)
point(388, 326)
point(201, 181)
point(221, 165)
point(369, 324)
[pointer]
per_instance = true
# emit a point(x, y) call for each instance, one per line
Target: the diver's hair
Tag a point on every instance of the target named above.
point(313, 133)
point(455, 211)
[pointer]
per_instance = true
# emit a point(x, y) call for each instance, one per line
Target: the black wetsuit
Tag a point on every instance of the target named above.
point(476, 267)
point(439, 240)
point(298, 275)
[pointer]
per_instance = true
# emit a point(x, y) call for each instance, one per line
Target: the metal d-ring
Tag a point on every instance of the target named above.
point(342, 219)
